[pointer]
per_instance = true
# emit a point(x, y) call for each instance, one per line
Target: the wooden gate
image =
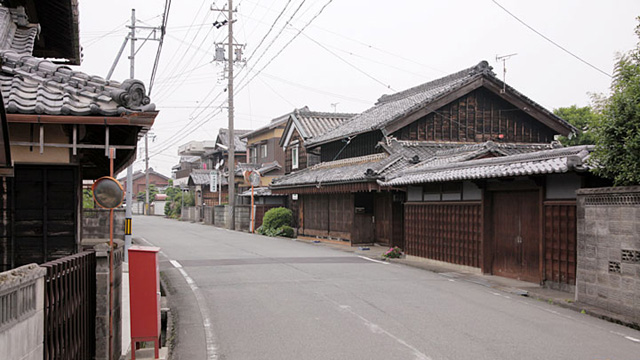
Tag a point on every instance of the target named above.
point(363, 229)
point(45, 213)
point(516, 235)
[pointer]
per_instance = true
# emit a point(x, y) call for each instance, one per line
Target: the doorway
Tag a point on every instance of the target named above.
point(516, 235)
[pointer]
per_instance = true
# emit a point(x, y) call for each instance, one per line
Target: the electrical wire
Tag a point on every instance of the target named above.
point(163, 29)
point(347, 62)
point(551, 41)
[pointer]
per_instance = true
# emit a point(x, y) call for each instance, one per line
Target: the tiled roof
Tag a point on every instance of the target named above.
point(240, 144)
point(32, 85)
point(390, 108)
point(339, 171)
point(199, 177)
point(274, 123)
point(13, 37)
point(259, 191)
point(35, 86)
point(534, 163)
point(311, 124)
point(270, 166)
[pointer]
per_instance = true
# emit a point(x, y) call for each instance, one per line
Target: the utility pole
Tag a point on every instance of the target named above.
point(129, 198)
point(232, 139)
point(232, 56)
point(132, 37)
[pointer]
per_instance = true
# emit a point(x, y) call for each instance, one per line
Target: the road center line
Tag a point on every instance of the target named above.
point(175, 264)
point(374, 260)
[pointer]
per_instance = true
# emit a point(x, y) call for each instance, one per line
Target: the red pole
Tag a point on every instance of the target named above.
point(253, 221)
point(111, 155)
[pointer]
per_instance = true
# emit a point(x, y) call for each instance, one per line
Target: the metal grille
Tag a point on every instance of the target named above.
point(69, 307)
point(632, 199)
point(631, 256)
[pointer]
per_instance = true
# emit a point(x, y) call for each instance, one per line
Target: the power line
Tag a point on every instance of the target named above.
point(348, 63)
point(551, 41)
point(286, 45)
point(272, 41)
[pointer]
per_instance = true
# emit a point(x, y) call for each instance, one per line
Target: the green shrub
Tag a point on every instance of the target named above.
point(286, 231)
point(277, 218)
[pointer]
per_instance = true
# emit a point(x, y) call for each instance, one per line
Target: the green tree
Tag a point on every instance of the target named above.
point(617, 154)
point(142, 195)
point(87, 199)
point(584, 119)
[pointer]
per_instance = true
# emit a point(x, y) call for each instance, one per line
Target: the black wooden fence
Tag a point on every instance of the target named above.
point(69, 307)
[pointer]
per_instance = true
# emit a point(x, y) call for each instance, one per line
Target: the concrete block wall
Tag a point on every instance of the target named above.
point(220, 216)
point(608, 264)
point(22, 327)
point(95, 224)
point(103, 302)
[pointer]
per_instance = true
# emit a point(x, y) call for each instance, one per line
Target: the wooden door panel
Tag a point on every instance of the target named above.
point(516, 235)
point(363, 229)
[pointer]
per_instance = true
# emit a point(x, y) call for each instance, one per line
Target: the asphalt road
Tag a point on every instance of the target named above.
point(239, 296)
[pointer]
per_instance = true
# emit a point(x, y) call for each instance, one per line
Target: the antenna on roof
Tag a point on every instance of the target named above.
point(335, 106)
point(504, 59)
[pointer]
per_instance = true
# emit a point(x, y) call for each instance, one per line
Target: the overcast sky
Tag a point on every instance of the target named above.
point(349, 55)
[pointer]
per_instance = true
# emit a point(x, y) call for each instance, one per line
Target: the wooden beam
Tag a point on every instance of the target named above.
point(431, 107)
point(528, 108)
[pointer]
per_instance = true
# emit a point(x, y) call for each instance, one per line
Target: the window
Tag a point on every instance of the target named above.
point(253, 156)
point(448, 191)
point(294, 157)
point(263, 150)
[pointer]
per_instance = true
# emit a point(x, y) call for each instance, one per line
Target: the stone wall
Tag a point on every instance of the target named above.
point(95, 224)
point(22, 313)
point(608, 266)
point(103, 300)
point(242, 218)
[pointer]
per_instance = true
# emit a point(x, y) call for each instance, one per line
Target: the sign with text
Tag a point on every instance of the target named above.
point(213, 181)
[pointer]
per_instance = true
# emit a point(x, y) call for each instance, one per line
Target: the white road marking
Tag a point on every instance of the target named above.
point(175, 264)
point(212, 350)
point(452, 280)
point(374, 260)
point(376, 329)
point(632, 339)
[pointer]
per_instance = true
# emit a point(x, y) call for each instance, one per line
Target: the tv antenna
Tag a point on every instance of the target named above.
point(504, 59)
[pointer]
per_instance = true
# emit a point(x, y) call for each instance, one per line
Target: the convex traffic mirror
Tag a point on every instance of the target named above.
point(107, 192)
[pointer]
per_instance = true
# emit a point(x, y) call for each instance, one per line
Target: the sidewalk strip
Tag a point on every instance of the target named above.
point(374, 260)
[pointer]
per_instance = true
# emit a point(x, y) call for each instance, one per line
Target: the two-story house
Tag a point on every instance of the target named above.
point(217, 159)
point(462, 170)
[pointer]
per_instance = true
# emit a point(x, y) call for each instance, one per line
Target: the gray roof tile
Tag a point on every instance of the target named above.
point(396, 106)
point(339, 171)
point(534, 163)
point(311, 124)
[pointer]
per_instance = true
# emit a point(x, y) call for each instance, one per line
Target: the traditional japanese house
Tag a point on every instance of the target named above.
point(513, 214)
point(218, 159)
point(61, 125)
point(303, 125)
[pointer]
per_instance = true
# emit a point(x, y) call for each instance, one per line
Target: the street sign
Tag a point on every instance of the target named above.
point(213, 181)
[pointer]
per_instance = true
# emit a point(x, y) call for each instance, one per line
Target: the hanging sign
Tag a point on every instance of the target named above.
point(213, 181)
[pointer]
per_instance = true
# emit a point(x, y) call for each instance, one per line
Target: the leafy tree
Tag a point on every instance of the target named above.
point(142, 195)
point(584, 119)
point(617, 154)
point(87, 199)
